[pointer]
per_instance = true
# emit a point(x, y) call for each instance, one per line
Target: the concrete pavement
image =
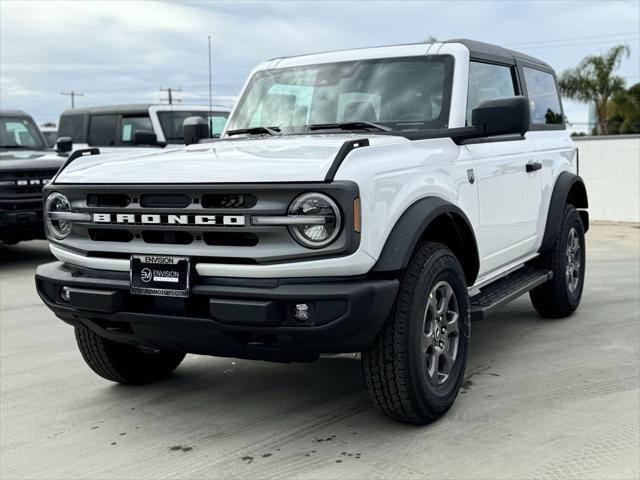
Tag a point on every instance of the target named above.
point(542, 399)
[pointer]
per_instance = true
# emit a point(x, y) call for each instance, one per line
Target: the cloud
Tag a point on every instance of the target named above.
point(122, 52)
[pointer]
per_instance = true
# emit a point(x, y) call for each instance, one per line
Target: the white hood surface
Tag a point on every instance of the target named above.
point(294, 158)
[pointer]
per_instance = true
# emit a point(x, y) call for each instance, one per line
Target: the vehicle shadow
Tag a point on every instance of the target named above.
point(301, 400)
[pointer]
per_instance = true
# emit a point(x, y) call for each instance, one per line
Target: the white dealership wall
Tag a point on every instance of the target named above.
point(610, 167)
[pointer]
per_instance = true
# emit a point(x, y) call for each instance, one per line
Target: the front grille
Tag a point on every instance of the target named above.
point(26, 184)
point(211, 222)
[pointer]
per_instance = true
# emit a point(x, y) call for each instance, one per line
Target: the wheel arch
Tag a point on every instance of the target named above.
point(569, 188)
point(434, 219)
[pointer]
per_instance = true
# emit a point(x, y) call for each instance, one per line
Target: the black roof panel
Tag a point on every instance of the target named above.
point(488, 51)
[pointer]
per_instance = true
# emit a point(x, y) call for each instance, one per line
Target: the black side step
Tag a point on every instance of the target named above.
point(503, 291)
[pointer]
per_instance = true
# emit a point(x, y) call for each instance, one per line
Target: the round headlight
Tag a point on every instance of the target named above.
point(57, 202)
point(326, 223)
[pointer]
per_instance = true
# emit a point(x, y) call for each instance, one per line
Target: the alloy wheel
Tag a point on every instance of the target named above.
point(441, 333)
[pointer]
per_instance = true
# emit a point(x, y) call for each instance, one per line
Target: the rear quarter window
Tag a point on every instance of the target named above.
point(544, 97)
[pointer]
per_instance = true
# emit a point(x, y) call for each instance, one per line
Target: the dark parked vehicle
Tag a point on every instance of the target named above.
point(26, 165)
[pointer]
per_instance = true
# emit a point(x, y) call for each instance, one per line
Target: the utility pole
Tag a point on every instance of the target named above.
point(210, 122)
point(73, 96)
point(170, 93)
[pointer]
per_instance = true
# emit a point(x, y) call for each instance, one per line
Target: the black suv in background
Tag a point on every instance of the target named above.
point(26, 165)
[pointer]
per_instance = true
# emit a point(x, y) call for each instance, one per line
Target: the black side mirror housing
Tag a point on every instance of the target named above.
point(503, 116)
point(64, 144)
point(144, 137)
point(195, 129)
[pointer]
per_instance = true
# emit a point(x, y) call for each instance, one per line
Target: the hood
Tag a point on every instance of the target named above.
point(20, 160)
point(294, 158)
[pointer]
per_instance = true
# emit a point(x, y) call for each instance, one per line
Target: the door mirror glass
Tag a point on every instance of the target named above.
point(502, 116)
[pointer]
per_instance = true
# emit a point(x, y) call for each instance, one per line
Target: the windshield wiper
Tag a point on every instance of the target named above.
point(19, 147)
point(255, 131)
point(350, 126)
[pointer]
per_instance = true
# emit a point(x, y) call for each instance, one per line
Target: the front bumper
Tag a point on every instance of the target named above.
point(244, 318)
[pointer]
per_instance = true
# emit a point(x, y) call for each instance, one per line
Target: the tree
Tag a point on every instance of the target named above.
point(624, 114)
point(593, 81)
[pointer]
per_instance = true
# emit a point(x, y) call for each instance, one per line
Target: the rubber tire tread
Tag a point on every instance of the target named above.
point(123, 363)
point(385, 364)
point(552, 299)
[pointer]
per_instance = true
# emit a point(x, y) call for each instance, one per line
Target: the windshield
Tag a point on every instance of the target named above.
point(400, 93)
point(20, 132)
point(51, 136)
point(172, 128)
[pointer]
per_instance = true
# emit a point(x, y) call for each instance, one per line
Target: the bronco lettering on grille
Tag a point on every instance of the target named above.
point(157, 219)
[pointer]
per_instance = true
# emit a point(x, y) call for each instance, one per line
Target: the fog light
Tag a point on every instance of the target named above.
point(65, 294)
point(301, 312)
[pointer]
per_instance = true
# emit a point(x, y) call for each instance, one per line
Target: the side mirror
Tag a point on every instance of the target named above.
point(195, 129)
point(502, 116)
point(144, 137)
point(64, 144)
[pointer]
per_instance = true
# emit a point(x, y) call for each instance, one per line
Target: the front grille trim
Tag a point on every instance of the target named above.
point(256, 244)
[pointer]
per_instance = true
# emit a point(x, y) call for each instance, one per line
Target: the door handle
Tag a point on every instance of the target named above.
point(533, 166)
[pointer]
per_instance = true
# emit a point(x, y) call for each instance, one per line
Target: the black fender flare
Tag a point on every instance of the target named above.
point(569, 188)
point(412, 225)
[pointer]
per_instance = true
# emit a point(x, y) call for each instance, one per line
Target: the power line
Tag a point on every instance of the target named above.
point(170, 91)
point(73, 96)
point(560, 45)
point(590, 37)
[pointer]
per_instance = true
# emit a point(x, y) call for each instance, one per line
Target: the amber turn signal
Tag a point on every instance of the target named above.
point(357, 215)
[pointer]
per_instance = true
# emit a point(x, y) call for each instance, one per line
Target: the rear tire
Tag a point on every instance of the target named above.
point(560, 296)
point(124, 363)
point(415, 366)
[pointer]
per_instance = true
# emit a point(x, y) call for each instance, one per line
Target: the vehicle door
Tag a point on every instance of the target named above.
point(505, 167)
point(548, 131)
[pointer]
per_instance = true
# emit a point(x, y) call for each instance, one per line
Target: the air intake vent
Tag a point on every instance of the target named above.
point(109, 235)
point(228, 200)
point(164, 201)
point(108, 200)
point(235, 239)
point(167, 237)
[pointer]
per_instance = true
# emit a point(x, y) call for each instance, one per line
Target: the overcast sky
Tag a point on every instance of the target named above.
point(123, 51)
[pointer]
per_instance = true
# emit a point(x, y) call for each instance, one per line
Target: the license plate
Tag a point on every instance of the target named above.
point(160, 275)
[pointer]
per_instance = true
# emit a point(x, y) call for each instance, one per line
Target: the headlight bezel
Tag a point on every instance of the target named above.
point(59, 233)
point(295, 230)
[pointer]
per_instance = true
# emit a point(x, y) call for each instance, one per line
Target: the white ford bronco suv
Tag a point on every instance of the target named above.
point(373, 200)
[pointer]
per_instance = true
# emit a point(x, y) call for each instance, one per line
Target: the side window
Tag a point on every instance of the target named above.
point(102, 130)
point(131, 125)
point(544, 98)
point(72, 126)
point(488, 82)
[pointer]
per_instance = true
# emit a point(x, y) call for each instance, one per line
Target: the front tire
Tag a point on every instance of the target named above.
point(415, 366)
point(560, 296)
point(123, 363)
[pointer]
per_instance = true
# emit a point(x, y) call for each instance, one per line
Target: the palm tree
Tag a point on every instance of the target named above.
point(593, 81)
